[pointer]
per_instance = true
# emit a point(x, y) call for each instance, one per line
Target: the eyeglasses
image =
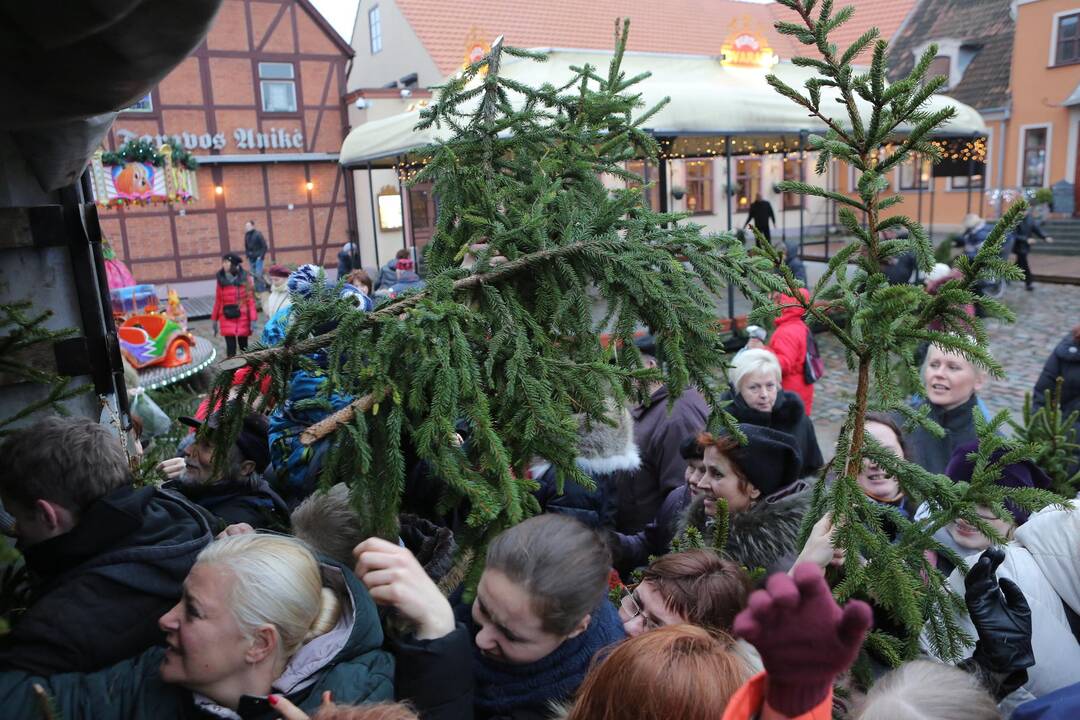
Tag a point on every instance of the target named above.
point(632, 605)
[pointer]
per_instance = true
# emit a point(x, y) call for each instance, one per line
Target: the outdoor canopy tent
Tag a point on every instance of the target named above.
point(708, 99)
point(716, 109)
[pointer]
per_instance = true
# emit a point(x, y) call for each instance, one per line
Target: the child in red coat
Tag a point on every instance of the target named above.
point(234, 304)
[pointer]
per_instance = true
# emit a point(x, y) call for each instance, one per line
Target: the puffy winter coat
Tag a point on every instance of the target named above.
point(98, 590)
point(347, 661)
point(234, 290)
point(787, 416)
point(610, 457)
point(658, 435)
point(765, 536)
point(788, 342)
point(1044, 560)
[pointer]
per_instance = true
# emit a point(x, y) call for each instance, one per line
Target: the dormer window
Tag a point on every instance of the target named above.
point(941, 65)
point(953, 57)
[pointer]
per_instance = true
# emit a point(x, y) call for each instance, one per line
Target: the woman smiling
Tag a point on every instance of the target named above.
point(259, 618)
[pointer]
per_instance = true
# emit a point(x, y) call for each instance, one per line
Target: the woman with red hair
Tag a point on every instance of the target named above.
point(675, 672)
point(788, 342)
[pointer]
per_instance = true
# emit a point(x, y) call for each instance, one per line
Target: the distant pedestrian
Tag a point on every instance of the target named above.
point(347, 260)
point(1026, 232)
point(761, 213)
point(388, 272)
point(234, 304)
point(278, 299)
point(789, 343)
point(255, 248)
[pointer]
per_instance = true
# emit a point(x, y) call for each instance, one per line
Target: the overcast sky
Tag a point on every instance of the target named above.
point(340, 14)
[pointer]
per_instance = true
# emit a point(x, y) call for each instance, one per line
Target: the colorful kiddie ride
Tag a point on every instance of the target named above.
point(150, 337)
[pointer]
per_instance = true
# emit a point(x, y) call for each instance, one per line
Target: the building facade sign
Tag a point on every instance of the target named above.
point(243, 138)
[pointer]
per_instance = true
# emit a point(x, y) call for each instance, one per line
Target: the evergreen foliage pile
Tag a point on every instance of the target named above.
point(1054, 434)
point(512, 350)
point(884, 125)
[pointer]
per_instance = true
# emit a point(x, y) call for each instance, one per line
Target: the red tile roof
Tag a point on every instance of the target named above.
point(694, 27)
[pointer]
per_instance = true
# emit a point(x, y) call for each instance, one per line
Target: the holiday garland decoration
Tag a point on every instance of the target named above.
point(510, 352)
point(886, 323)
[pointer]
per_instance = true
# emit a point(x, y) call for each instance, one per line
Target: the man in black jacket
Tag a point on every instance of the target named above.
point(238, 493)
point(255, 248)
point(1026, 232)
point(105, 559)
point(761, 213)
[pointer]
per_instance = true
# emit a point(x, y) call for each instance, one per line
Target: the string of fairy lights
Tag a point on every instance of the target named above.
point(955, 149)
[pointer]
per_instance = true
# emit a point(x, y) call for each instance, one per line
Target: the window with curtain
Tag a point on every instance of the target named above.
point(792, 201)
point(915, 172)
point(747, 185)
point(1034, 168)
point(277, 85)
point(699, 186)
point(652, 197)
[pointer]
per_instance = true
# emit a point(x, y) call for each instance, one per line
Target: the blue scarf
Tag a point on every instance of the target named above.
point(502, 688)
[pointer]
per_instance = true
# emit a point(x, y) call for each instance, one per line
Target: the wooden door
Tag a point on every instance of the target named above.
point(421, 215)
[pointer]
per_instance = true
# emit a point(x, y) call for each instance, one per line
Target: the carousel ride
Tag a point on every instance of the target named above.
point(154, 339)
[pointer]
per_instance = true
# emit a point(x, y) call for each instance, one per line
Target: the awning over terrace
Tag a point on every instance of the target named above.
point(711, 103)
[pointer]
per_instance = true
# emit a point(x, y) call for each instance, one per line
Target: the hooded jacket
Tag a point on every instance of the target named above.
point(658, 435)
point(933, 453)
point(764, 536)
point(98, 590)
point(788, 342)
point(347, 661)
point(1044, 560)
point(608, 455)
point(787, 416)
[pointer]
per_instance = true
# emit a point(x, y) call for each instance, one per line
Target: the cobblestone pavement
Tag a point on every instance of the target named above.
point(1042, 319)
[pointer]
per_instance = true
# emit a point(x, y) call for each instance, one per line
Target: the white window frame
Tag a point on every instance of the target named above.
point(987, 170)
point(898, 186)
point(1020, 153)
point(263, 82)
point(1051, 60)
point(375, 43)
point(149, 96)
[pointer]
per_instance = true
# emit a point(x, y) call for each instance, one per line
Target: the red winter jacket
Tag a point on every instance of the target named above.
point(789, 344)
point(240, 292)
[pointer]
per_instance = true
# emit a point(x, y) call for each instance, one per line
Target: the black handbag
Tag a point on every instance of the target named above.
point(231, 311)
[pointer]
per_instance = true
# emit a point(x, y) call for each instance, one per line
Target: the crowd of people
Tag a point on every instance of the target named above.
point(237, 588)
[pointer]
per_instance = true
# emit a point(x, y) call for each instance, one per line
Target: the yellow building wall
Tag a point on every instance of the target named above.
point(1039, 88)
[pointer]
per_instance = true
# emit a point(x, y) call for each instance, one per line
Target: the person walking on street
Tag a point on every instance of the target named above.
point(760, 213)
point(234, 304)
point(1026, 232)
point(788, 343)
point(255, 248)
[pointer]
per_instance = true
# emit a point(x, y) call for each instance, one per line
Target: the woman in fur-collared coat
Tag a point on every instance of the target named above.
point(765, 500)
point(607, 454)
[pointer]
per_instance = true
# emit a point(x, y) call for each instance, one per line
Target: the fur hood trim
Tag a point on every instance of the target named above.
point(763, 535)
point(604, 449)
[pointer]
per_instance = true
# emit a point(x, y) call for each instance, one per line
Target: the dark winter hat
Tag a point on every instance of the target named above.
point(691, 449)
point(770, 459)
point(646, 344)
point(253, 440)
point(233, 258)
point(1024, 474)
point(278, 270)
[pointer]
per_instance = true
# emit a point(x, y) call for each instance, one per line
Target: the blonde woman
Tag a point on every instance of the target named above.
point(259, 618)
point(757, 398)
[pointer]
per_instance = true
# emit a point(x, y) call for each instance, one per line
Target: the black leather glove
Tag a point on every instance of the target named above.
point(1002, 620)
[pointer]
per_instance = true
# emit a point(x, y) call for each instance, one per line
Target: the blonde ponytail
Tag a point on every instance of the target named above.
point(330, 608)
